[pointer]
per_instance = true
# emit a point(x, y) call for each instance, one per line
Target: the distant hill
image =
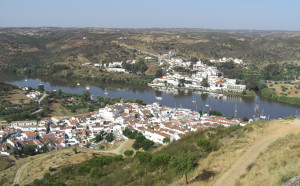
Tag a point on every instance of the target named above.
point(53, 45)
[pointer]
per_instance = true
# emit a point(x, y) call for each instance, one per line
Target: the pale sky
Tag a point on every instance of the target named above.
point(210, 14)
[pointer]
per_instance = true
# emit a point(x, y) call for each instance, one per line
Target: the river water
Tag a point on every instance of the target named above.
point(226, 104)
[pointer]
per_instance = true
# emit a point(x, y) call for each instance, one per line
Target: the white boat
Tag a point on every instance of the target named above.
point(262, 116)
point(194, 101)
point(87, 87)
point(78, 84)
point(26, 80)
point(106, 93)
point(158, 98)
point(207, 105)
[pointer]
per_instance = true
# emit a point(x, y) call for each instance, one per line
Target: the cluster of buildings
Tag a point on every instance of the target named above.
point(224, 59)
point(154, 121)
point(200, 72)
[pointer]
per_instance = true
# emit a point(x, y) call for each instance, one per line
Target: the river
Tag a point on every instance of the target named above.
point(226, 104)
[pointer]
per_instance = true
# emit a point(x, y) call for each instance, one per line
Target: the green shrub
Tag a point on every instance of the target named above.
point(96, 173)
point(118, 158)
point(203, 142)
point(66, 170)
point(128, 153)
point(83, 169)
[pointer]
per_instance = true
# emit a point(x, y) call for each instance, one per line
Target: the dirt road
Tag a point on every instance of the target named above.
point(20, 170)
point(122, 146)
point(239, 167)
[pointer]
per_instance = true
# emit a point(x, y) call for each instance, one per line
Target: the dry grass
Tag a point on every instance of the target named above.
point(59, 110)
point(6, 162)
point(291, 90)
point(16, 96)
point(279, 161)
point(39, 165)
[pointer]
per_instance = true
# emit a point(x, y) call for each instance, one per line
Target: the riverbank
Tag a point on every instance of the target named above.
point(270, 93)
point(245, 104)
point(213, 92)
point(100, 75)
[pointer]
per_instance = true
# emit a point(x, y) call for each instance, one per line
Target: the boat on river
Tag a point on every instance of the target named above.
point(158, 98)
point(194, 101)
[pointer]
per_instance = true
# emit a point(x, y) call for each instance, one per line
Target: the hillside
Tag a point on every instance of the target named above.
point(266, 151)
point(70, 45)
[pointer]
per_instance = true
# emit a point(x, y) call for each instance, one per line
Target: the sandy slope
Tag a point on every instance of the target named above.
point(240, 165)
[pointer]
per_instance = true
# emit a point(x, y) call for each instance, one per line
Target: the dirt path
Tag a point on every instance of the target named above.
point(122, 146)
point(239, 167)
point(20, 170)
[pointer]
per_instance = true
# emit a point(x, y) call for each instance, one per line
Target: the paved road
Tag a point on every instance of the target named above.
point(239, 167)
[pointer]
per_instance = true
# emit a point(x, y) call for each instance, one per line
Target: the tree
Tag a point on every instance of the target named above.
point(245, 119)
point(110, 137)
point(147, 144)
point(158, 73)
point(183, 163)
point(41, 88)
point(126, 132)
point(59, 92)
point(160, 161)
point(203, 142)
point(166, 140)
point(29, 150)
point(44, 148)
point(271, 70)
point(128, 153)
point(99, 137)
point(194, 59)
point(138, 141)
point(215, 113)
point(251, 82)
point(144, 159)
point(139, 101)
point(204, 83)
point(86, 96)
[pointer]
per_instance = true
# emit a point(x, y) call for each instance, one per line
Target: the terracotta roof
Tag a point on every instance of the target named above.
point(30, 134)
point(73, 122)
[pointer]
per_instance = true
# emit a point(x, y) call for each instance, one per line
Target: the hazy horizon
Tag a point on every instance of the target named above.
point(268, 15)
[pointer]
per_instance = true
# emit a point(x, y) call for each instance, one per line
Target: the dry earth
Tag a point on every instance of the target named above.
point(34, 167)
point(231, 161)
point(291, 91)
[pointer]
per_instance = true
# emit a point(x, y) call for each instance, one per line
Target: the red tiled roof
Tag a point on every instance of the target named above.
point(29, 134)
point(73, 122)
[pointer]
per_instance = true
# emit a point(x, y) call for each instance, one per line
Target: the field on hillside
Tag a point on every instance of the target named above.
point(288, 88)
